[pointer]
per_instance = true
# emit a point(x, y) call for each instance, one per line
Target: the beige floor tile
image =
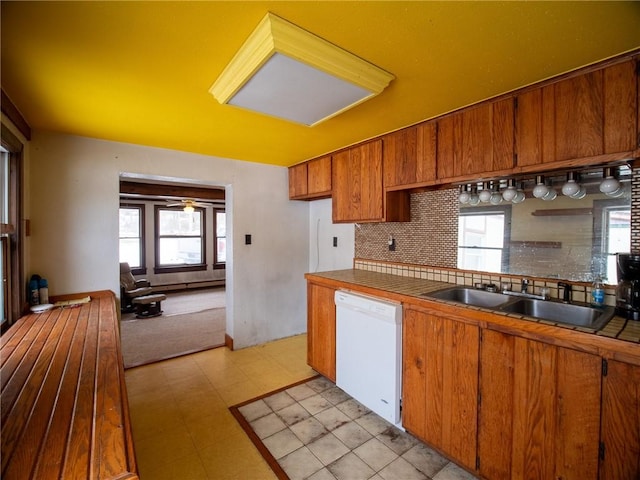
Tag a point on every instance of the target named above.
point(328, 448)
point(453, 472)
point(214, 430)
point(240, 392)
point(282, 443)
point(300, 464)
point(169, 446)
point(426, 460)
point(350, 467)
point(189, 467)
point(375, 454)
point(235, 459)
point(400, 468)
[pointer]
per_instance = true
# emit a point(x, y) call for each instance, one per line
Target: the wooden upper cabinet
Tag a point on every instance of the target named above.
point(588, 115)
point(319, 176)
point(358, 193)
point(440, 383)
point(298, 181)
point(310, 180)
point(410, 156)
point(541, 404)
point(620, 422)
point(476, 140)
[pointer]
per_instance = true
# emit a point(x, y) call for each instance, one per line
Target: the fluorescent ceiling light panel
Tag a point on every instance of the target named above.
point(287, 72)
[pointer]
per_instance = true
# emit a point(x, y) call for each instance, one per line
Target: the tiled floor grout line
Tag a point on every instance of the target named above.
point(302, 439)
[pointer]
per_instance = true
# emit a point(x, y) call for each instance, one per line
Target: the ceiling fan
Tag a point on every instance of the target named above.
point(187, 204)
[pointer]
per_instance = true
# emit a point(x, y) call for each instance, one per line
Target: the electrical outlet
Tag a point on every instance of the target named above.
point(392, 245)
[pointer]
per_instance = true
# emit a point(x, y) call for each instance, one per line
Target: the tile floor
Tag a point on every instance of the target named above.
point(183, 428)
point(316, 431)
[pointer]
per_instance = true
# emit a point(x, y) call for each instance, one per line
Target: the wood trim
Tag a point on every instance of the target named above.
point(13, 114)
point(181, 191)
point(228, 342)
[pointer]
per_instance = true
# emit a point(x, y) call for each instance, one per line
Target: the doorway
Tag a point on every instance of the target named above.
point(173, 234)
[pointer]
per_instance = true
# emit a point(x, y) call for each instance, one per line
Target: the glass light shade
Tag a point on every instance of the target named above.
point(550, 195)
point(519, 198)
point(474, 199)
point(540, 190)
point(495, 199)
point(188, 209)
point(570, 188)
point(609, 185)
point(464, 195)
point(616, 193)
point(510, 193)
point(485, 195)
point(580, 194)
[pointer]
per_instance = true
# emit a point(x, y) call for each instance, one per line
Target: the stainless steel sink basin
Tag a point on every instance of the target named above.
point(553, 311)
point(568, 314)
point(470, 296)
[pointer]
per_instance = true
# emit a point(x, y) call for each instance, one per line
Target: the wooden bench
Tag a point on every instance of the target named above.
point(64, 407)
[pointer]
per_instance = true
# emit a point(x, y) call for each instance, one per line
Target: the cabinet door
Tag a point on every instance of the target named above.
point(321, 330)
point(410, 156)
point(621, 422)
point(440, 383)
point(592, 114)
point(319, 176)
point(357, 184)
point(476, 140)
point(540, 405)
point(298, 181)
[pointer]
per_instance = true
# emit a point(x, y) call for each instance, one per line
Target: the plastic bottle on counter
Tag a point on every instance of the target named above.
point(597, 293)
point(43, 291)
point(34, 292)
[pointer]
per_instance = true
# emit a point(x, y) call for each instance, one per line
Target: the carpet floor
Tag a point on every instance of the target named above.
point(154, 339)
point(179, 303)
point(314, 430)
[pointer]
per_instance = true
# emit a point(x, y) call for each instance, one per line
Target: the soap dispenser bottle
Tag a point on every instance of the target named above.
point(597, 293)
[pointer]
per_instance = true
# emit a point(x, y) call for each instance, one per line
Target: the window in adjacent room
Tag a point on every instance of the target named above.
point(482, 236)
point(220, 227)
point(612, 234)
point(180, 239)
point(132, 237)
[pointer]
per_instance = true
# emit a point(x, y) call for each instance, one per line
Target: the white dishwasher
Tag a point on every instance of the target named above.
point(369, 352)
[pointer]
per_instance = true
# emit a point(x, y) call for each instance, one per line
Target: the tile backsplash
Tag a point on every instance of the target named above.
point(580, 292)
point(430, 238)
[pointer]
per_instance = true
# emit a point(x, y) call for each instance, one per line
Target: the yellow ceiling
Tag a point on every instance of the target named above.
point(139, 72)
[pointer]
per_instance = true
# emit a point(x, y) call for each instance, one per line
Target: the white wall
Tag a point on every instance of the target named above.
point(74, 190)
point(323, 255)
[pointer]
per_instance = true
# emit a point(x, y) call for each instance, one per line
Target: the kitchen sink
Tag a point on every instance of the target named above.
point(562, 313)
point(470, 296)
point(565, 313)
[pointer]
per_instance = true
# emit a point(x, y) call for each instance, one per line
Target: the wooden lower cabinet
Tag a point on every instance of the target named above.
point(440, 383)
point(620, 422)
point(321, 330)
point(539, 415)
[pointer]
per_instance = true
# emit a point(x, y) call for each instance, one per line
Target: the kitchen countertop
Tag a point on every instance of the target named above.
point(396, 287)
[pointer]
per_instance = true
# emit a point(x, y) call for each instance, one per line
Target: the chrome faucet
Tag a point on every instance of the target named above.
point(524, 285)
point(566, 292)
